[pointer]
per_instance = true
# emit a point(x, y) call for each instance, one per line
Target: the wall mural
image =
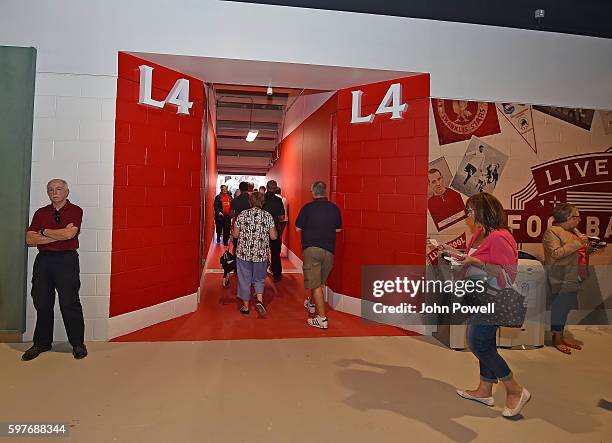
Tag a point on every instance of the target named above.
point(521, 118)
point(530, 157)
point(445, 204)
point(606, 119)
point(458, 120)
point(535, 158)
point(480, 169)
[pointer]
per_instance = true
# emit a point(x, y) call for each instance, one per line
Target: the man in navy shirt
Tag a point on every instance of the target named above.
point(319, 221)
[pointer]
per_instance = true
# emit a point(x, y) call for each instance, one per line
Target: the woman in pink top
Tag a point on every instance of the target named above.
point(491, 252)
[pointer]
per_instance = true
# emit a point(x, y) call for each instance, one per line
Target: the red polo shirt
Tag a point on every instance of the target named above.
point(225, 202)
point(44, 218)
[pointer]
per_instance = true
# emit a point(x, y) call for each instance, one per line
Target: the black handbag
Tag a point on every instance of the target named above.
point(510, 309)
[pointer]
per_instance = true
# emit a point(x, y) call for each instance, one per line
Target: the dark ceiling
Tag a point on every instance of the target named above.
point(581, 17)
point(241, 108)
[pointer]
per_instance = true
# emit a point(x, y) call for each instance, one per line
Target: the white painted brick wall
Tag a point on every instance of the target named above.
point(74, 133)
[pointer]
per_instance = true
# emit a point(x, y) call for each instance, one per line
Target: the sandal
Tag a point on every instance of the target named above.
point(244, 310)
point(561, 347)
point(571, 344)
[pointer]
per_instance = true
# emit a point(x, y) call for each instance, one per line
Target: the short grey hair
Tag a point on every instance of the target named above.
point(61, 180)
point(319, 189)
point(562, 212)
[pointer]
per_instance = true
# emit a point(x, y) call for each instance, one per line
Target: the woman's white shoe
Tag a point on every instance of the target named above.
point(489, 401)
point(525, 397)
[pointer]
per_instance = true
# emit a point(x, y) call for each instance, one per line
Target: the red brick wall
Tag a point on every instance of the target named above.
point(380, 175)
point(157, 192)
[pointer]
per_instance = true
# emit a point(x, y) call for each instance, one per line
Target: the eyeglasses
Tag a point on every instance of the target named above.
point(469, 211)
point(57, 217)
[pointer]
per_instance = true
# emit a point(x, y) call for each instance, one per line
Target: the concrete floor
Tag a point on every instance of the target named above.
point(372, 389)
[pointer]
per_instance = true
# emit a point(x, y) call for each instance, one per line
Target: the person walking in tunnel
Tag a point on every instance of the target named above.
point(318, 221)
point(254, 228)
point(223, 219)
point(239, 204)
point(274, 205)
point(283, 220)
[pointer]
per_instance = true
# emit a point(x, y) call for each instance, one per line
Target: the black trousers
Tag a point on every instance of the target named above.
point(281, 227)
point(275, 259)
point(57, 271)
point(223, 225)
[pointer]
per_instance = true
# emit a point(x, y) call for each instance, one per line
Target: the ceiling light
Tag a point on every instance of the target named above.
point(251, 135)
point(252, 132)
point(269, 91)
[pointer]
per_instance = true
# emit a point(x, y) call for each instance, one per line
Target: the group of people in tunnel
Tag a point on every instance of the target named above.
point(256, 221)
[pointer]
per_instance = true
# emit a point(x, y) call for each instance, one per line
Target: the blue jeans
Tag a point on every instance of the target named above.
point(250, 273)
point(559, 309)
point(482, 343)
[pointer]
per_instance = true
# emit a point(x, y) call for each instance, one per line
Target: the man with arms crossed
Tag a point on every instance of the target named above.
point(319, 222)
point(54, 231)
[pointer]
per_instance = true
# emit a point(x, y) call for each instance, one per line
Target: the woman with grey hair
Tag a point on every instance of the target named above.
point(254, 228)
point(565, 257)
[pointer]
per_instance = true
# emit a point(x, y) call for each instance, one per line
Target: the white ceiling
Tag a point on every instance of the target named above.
point(261, 73)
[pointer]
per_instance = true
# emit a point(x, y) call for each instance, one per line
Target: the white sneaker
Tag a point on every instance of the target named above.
point(310, 307)
point(318, 322)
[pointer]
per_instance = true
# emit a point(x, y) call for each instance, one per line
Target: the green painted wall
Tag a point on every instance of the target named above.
point(17, 76)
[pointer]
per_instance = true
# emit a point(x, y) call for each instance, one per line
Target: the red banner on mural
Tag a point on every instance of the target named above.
point(570, 172)
point(581, 180)
point(458, 243)
point(458, 120)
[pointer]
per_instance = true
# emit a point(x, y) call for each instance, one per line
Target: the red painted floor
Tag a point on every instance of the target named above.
point(217, 317)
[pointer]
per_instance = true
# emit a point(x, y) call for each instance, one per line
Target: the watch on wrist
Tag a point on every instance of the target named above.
point(42, 232)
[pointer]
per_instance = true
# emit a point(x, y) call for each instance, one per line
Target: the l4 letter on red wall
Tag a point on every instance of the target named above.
point(157, 191)
point(379, 180)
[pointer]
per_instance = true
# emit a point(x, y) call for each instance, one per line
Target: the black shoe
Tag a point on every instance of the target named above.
point(261, 309)
point(277, 279)
point(218, 239)
point(244, 310)
point(79, 351)
point(34, 352)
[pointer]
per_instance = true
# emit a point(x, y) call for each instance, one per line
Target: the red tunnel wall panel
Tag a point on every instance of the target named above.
point(157, 192)
point(377, 175)
point(304, 158)
point(381, 183)
point(211, 184)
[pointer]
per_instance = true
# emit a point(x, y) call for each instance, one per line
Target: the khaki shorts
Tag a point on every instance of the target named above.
point(317, 265)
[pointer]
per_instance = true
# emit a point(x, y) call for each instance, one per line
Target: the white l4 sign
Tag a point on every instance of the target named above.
point(178, 95)
point(389, 104)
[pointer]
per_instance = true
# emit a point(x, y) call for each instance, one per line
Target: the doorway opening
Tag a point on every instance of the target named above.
point(295, 144)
